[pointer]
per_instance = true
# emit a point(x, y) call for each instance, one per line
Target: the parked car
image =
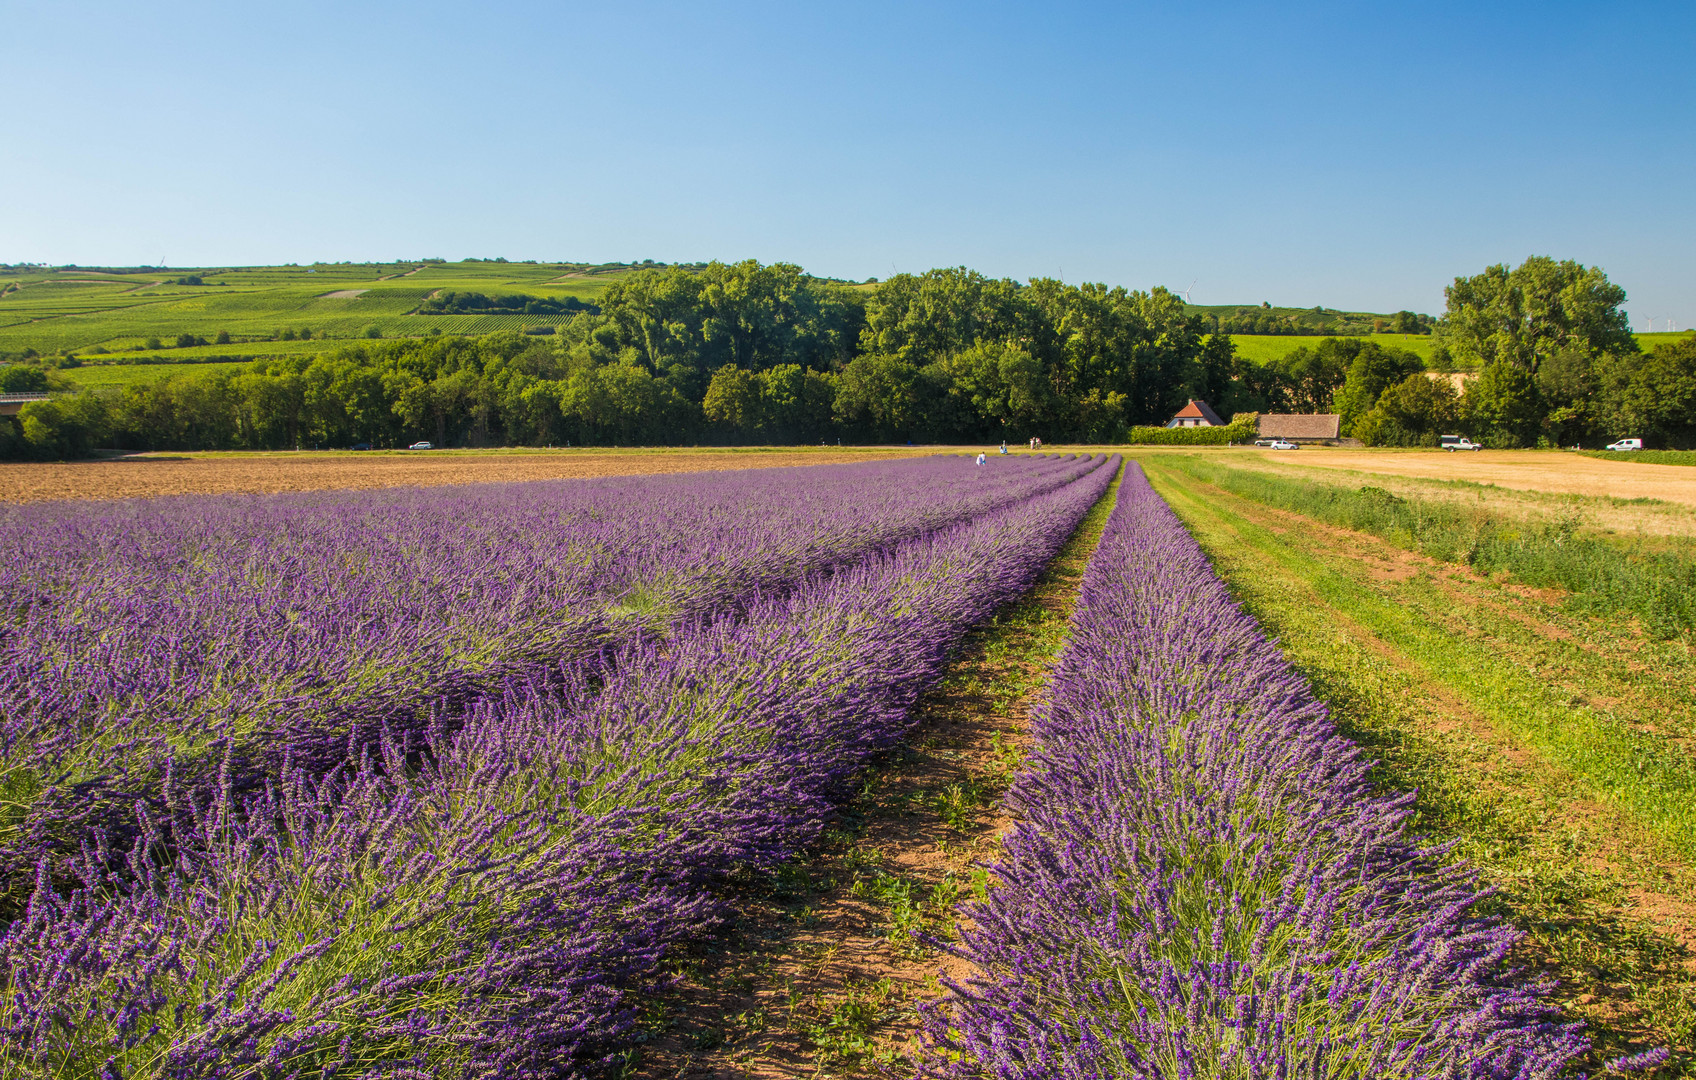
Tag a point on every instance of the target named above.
point(1457, 442)
point(1264, 442)
point(422, 446)
point(1626, 444)
point(360, 446)
point(1283, 444)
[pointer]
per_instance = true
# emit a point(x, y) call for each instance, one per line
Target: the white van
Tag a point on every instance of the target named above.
point(1626, 444)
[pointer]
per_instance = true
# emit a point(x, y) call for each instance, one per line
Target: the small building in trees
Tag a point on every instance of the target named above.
point(1301, 427)
point(1195, 414)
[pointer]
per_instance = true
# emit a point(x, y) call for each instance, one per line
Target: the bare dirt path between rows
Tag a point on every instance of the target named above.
point(148, 475)
point(822, 968)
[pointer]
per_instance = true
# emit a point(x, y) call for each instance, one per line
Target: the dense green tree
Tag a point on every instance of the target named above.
point(1307, 379)
point(1524, 315)
point(1660, 400)
point(797, 402)
point(879, 397)
point(1570, 389)
point(1500, 407)
point(920, 318)
point(745, 314)
point(735, 401)
point(23, 379)
point(64, 428)
point(1413, 412)
point(1373, 370)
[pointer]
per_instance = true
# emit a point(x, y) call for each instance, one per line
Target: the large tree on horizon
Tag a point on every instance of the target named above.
point(1524, 315)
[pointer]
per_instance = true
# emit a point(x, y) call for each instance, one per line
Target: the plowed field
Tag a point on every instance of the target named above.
point(144, 475)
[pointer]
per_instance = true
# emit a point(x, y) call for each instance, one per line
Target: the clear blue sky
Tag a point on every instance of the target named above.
point(1354, 155)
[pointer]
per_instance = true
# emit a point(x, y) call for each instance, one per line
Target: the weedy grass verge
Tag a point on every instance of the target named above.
point(1604, 575)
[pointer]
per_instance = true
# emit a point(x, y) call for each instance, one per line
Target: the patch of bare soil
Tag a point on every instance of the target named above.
point(822, 969)
point(149, 475)
point(344, 294)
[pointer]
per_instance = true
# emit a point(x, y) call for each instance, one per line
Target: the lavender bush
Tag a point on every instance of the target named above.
point(200, 634)
point(486, 909)
point(1204, 883)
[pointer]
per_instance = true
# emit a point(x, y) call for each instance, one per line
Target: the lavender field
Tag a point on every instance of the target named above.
point(438, 783)
point(1204, 883)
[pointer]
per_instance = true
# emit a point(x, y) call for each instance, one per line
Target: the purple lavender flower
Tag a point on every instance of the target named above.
point(209, 640)
point(1204, 882)
point(482, 902)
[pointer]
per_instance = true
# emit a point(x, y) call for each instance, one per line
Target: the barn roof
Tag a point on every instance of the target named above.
point(1300, 425)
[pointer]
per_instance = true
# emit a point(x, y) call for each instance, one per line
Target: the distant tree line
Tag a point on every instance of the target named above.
point(450, 302)
point(1265, 320)
point(1555, 364)
point(744, 353)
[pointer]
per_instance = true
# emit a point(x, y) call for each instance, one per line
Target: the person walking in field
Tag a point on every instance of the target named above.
point(1003, 447)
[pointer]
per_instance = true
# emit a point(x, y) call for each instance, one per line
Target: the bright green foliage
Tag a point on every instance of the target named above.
point(1501, 406)
point(1660, 400)
point(1522, 316)
point(22, 379)
point(65, 428)
point(1413, 412)
point(783, 404)
point(1372, 370)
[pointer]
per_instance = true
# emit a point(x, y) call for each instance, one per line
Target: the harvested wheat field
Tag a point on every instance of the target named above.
point(1522, 470)
point(146, 475)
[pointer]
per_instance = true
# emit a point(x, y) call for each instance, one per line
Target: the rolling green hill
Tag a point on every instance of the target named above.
point(101, 313)
point(1262, 348)
point(107, 316)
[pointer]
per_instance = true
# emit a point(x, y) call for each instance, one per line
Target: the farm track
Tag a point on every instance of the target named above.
point(821, 969)
point(150, 475)
point(1607, 902)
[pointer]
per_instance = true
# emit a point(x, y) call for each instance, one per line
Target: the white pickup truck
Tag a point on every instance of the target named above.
point(1457, 442)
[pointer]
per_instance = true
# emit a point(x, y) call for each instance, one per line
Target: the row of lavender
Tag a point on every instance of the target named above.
point(489, 911)
point(196, 636)
point(1205, 883)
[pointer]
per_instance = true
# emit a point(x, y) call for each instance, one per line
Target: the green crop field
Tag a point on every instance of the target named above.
point(106, 376)
point(101, 312)
point(1263, 348)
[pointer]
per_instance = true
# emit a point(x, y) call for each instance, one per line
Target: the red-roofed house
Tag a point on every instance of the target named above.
point(1196, 414)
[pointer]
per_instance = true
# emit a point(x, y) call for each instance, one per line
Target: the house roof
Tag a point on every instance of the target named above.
point(1300, 425)
point(1199, 410)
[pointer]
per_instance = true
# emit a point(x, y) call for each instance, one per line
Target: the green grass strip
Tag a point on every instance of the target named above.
point(1633, 770)
point(1602, 574)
